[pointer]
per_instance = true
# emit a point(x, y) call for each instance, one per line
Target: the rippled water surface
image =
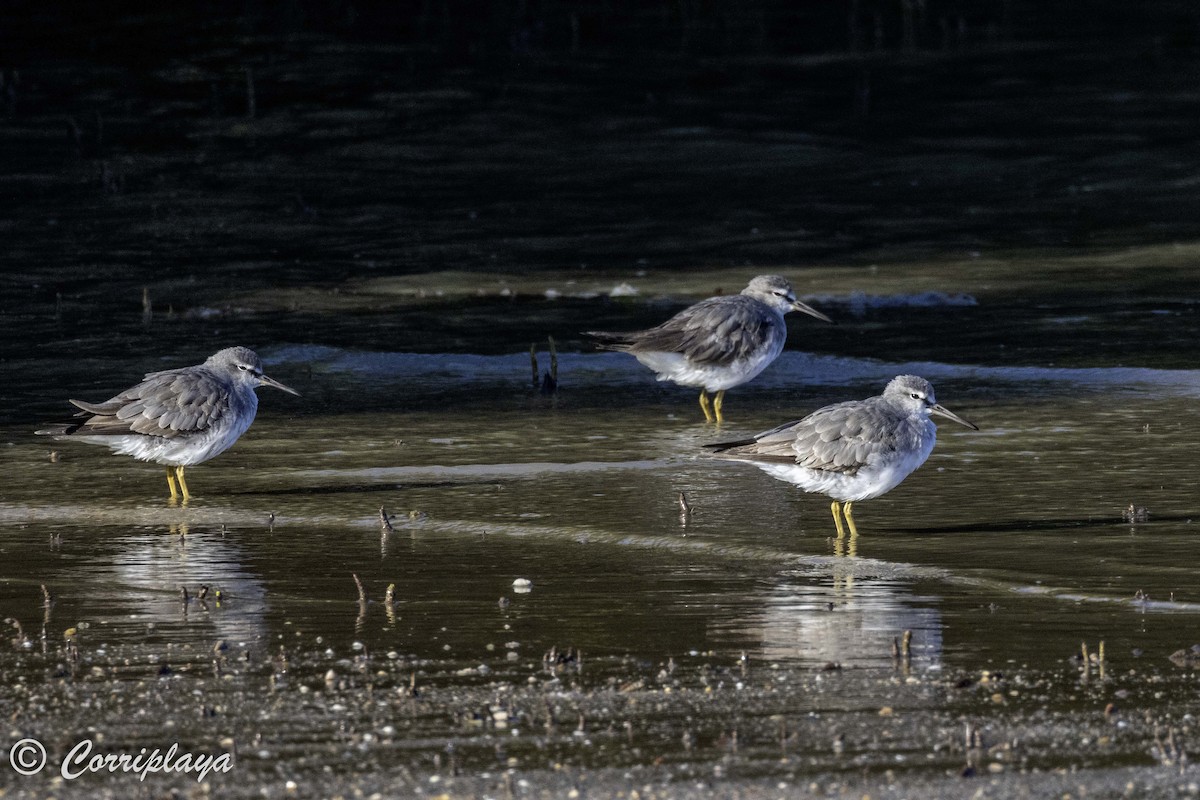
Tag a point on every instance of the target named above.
point(741, 647)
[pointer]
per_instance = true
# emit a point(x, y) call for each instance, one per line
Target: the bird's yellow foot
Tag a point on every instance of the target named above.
point(182, 485)
point(850, 519)
point(704, 406)
point(171, 483)
point(717, 402)
point(836, 508)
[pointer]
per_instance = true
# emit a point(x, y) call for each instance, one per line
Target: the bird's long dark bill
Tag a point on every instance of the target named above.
point(812, 312)
point(267, 381)
point(940, 411)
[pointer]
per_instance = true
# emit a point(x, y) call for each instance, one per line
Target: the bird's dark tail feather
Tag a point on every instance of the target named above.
point(609, 341)
point(721, 447)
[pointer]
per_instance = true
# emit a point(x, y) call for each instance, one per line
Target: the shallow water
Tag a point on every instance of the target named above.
point(1004, 553)
point(742, 648)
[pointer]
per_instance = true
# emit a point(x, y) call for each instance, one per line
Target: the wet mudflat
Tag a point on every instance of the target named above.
point(741, 648)
point(394, 253)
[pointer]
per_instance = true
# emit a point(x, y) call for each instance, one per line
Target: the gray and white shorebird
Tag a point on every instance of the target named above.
point(717, 343)
point(851, 451)
point(177, 417)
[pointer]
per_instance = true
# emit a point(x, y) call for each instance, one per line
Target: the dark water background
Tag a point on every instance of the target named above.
point(1003, 201)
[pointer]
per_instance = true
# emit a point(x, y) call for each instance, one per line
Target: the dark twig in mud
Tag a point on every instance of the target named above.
point(219, 656)
point(685, 510)
point(361, 620)
point(973, 745)
point(389, 603)
point(1135, 513)
point(555, 659)
point(20, 638)
point(47, 605)
point(1169, 753)
point(281, 663)
point(548, 383)
point(902, 650)
point(185, 597)
point(385, 529)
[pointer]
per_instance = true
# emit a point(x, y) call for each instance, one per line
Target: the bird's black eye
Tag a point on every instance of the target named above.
point(916, 396)
point(243, 367)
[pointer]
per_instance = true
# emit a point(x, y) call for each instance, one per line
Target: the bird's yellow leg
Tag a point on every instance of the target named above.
point(182, 484)
point(708, 415)
point(850, 519)
point(717, 401)
point(836, 508)
point(171, 483)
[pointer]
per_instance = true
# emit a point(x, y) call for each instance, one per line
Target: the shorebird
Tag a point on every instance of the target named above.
point(177, 417)
point(718, 343)
point(851, 451)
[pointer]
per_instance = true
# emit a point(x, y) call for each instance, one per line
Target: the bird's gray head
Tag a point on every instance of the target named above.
point(243, 365)
point(915, 395)
point(776, 292)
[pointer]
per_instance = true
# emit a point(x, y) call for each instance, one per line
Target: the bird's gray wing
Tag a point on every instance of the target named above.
point(168, 404)
point(713, 332)
point(838, 438)
point(843, 437)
